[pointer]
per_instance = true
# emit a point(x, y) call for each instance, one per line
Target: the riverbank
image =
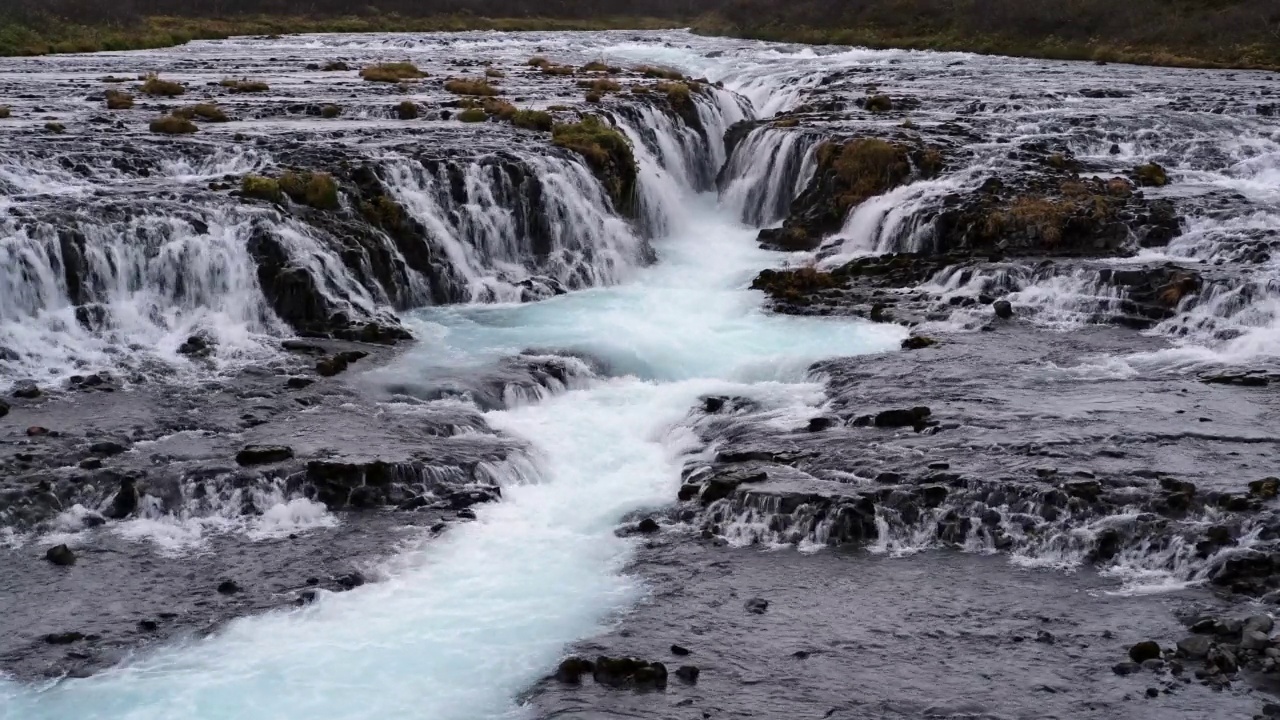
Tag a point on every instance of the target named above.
point(159, 32)
point(1242, 35)
point(1050, 48)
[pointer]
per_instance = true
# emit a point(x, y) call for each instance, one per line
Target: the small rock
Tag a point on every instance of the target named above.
point(297, 383)
point(37, 431)
point(1153, 693)
point(571, 670)
point(756, 606)
point(1045, 637)
point(688, 673)
point(918, 342)
point(819, 424)
point(1195, 647)
point(1125, 668)
point(148, 625)
point(1260, 623)
point(228, 587)
point(65, 638)
point(107, 447)
point(1254, 640)
point(195, 346)
point(91, 463)
point(1003, 309)
point(26, 391)
point(60, 555)
point(648, 525)
point(1145, 650)
point(263, 454)
point(351, 581)
point(4, 408)
point(679, 650)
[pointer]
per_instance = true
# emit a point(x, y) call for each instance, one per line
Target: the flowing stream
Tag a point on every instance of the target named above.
point(459, 626)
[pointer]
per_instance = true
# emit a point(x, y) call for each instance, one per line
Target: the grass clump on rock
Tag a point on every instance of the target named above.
point(1151, 175)
point(553, 69)
point(878, 103)
point(608, 153)
point(5, 112)
point(407, 110)
point(156, 87)
point(678, 93)
point(473, 115)
point(392, 72)
point(601, 85)
point(119, 100)
point(330, 111)
point(533, 120)
point(204, 111)
point(316, 189)
point(173, 125)
point(863, 168)
point(261, 188)
point(336, 66)
point(651, 71)
point(494, 73)
point(479, 87)
point(538, 61)
point(56, 128)
point(245, 85)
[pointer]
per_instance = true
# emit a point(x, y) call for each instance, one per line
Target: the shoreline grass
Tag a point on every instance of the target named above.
point(159, 32)
point(1218, 57)
point(166, 31)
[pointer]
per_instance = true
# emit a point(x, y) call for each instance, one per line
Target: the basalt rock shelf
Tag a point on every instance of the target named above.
point(635, 374)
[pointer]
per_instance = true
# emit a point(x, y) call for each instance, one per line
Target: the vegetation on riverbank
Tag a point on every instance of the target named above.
point(1177, 33)
point(1186, 33)
point(46, 37)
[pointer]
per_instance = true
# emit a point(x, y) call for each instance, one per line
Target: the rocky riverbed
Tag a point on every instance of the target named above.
point(729, 379)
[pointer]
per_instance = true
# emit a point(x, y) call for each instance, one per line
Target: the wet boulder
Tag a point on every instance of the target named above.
point(1003, 309)
point(1195, 647)
point(4, 408)
point(125, 501)
point(1143, 651)
point(756, 606)
point(629, 672)
point(26, 391)
point(571, 670)
point(916, 417)
point(60, 555)
point(688, 674)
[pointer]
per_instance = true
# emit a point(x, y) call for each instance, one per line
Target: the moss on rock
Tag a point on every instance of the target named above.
point(172, 125)
point(392, 72)
point(154, 86)
point(119, 100)
point(478, 87)
point(609, 155)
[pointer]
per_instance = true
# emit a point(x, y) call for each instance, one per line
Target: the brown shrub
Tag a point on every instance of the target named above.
point(156, 87)
point(245, 85)
point(392, 72)
point(172, 125)
point(119, 100)
point(470, 86)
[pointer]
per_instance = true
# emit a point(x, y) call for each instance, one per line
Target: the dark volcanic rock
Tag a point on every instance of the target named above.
point(264, 454)
point(1003, 309)
point(228, 587)
point(572, 669)
point(1143, 651)
point(60, 555)
point(756, 606)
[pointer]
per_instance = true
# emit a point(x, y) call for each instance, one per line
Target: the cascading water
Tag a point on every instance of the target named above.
point(468, 621)
point(461, 624)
